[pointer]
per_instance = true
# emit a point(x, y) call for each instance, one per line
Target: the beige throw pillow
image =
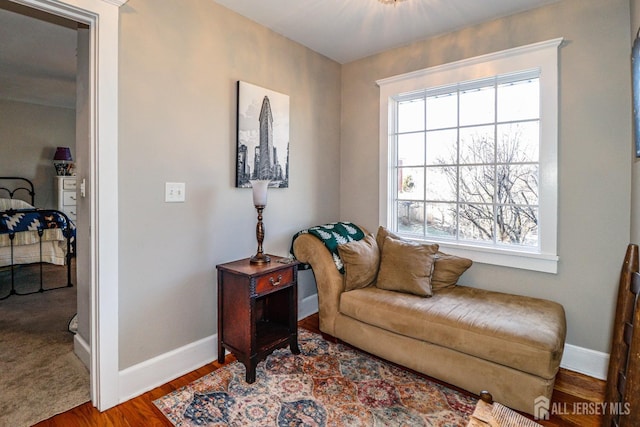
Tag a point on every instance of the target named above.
point(406, 267)
point(382, 234)
point(447, 269)
point(361, 259)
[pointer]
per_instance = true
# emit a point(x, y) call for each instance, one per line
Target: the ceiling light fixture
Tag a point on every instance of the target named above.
point(393, 2)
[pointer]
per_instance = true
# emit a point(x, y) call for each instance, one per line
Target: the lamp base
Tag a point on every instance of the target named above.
point(260, 259)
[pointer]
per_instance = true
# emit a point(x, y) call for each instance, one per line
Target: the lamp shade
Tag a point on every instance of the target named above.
point(63, 153)
point(260, 191)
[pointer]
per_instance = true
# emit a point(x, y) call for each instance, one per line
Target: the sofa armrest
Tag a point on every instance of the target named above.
point(329, 280)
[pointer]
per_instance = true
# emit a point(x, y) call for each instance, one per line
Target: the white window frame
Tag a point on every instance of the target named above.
point(542, 56)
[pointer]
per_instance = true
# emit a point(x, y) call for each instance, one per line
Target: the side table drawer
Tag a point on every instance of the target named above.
point(277, 279)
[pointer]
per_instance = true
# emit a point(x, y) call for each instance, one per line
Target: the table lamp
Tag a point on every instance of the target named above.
point(260, 202)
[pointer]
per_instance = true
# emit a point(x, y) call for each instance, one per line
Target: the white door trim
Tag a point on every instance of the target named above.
point(103, 17)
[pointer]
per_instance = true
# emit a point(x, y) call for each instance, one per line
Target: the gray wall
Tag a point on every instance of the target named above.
point(594, 149)
point(179, 64)
point(29, 135)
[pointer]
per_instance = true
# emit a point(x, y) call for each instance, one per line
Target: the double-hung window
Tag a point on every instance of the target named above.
point(469, 156)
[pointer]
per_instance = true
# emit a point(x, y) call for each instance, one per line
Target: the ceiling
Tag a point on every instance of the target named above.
point(37, 56)
point(38, 51)
point(346, 30)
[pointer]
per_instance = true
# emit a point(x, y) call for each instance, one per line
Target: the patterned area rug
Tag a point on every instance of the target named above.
point(326, 385)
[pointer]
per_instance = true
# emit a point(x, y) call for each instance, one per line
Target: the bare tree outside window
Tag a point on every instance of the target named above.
point(478, 182)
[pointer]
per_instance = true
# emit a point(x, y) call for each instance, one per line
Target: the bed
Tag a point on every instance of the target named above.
point(29, 235)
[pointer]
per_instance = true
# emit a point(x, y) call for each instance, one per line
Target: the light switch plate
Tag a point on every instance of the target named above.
point(174, 192)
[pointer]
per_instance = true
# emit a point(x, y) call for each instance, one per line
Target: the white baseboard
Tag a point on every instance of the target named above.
point(308, 306)
point(585, 361)
point(166, 367)
point(82, 349)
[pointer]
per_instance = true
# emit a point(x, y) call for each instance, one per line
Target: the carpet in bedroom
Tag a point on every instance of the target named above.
point(40, 375)
point(327, 384)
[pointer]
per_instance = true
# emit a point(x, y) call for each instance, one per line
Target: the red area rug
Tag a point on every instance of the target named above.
point(326, 385)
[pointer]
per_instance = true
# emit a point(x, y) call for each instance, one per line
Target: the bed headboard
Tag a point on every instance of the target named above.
point(10, 185)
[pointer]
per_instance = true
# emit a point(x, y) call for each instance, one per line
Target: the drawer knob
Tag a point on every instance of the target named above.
point(275, 283)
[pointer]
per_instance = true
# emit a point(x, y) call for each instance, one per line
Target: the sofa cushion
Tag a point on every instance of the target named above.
point(361, 260)
point(520, 332)
point(406, 267)
point(447, 269)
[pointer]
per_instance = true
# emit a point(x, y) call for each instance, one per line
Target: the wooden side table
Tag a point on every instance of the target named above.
point(257, 310)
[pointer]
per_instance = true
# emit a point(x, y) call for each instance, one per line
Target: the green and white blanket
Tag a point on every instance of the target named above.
point(332, 235)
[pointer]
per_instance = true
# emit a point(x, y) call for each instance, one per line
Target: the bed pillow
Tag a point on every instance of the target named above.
point(361, 259)
point(447, 270)
point(406, 267)
point(6, 204)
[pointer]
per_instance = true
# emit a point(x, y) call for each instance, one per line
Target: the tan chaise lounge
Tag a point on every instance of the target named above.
point(471, 338)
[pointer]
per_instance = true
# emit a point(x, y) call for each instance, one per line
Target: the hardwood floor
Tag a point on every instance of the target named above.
point(575, 396)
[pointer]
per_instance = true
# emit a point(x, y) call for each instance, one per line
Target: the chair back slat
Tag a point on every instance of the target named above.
point(635, 284)
point(622, 395)
point(628, 334)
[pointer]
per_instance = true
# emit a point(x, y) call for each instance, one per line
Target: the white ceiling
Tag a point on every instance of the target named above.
point(346, 30)
point(37, 57)
point(38, 52)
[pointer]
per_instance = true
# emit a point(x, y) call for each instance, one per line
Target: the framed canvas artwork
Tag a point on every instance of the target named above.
point(262, 136)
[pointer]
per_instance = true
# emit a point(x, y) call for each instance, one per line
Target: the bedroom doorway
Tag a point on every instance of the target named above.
point(100, 297)
point(42, 58)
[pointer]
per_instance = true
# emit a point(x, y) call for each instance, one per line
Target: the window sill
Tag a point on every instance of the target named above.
point(546, 263)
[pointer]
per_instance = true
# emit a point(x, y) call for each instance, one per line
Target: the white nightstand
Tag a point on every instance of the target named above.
point(66, 195)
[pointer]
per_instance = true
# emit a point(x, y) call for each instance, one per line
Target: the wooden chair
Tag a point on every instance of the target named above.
point(622, 396)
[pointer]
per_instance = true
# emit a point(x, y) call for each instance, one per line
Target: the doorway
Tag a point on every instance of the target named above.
point(41, 61)
point(100, 187)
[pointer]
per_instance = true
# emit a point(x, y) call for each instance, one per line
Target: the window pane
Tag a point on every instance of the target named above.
point(411, 149)
point(518, 225)
point(442, 111)
point(441, 220)
point(477, 106)
point(477, 145)
point(518, 184)
point(477, 184)
point(468, 164)
point(442, 147)
point(441, 183)
point(411, 115)
point(519, 100)
point(519, 142)
point(411, 183)
point(411, 217)
point(476, 222)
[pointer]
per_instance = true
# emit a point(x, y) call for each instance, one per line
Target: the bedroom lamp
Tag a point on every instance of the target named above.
point(62, 161)
point(260, 201)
